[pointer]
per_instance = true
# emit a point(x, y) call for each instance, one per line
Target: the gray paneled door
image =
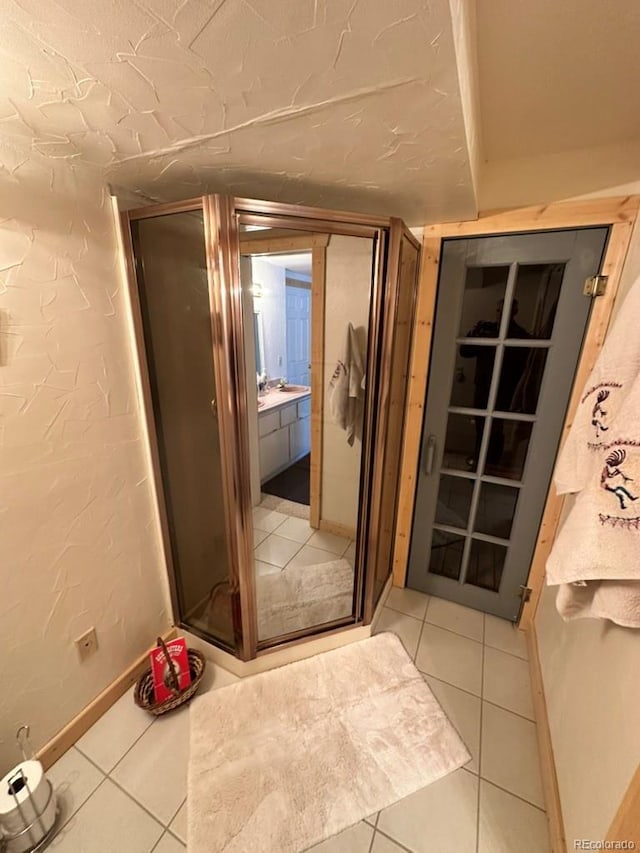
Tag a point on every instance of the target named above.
point(510, 319)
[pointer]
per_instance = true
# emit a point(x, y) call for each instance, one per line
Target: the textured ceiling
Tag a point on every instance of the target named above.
point(345, 103)
point(557, 76)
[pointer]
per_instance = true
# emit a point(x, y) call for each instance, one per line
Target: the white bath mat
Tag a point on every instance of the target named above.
point(288, 758)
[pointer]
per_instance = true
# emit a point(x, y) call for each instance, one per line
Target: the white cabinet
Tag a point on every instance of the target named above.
point(274, 453)
point(300, 438)
point(285, 436)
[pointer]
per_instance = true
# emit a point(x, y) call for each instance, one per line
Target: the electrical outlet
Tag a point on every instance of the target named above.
point(87, 644)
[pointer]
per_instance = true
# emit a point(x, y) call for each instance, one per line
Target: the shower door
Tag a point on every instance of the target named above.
point(510, 320)
point(183, 342)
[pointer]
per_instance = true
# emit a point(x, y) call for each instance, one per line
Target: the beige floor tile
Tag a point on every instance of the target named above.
point(382, 844)
point(115, 732)
point(214, 677)
point(406, 627)
point(508, 824)
point(297, 529)
point(509, 756)
point(169, 844)
point(372, 818)
point(451, 658)
point(455, 617)
point(502, 634)
point(440, 818)
point(276, 550)
point(310, 556)
point(267, 519)
point(356, 839)
point(408, 601)
point(266, 568)
point(109, 822)
point(463, 710)
point(259, 536)
point(179, 824)
point(507, 682)
point(154, 772)
point(329, 542)
point(350, 553)
point(74, 779)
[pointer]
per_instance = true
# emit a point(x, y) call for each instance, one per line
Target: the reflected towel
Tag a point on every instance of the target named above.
point(347, 385)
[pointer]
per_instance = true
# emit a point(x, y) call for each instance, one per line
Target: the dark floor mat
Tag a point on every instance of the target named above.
point(292, 484)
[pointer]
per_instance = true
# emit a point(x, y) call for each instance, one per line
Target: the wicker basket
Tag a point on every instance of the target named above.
point(144, 694)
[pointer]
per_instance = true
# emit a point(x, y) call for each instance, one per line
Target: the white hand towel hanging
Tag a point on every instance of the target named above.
point(609, 383)
point(347, 385)
point(597, 548)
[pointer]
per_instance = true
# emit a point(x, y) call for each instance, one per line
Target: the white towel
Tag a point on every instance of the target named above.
point(595, 558)
point(347, 385)
point(609, 383)
point(618, 601)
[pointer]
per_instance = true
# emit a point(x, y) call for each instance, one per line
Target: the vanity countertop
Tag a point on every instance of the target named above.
point(276, 399)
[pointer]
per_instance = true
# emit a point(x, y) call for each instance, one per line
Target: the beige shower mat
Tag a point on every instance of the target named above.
point(290, 757)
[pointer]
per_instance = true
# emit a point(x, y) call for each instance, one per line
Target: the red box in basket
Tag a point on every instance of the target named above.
point(160, 669)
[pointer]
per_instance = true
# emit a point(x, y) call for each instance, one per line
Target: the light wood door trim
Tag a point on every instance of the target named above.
point(542, 217)
point(318, 290)
point(548, 775)
point(416, 396)
point(620, 213)
point(626, 824)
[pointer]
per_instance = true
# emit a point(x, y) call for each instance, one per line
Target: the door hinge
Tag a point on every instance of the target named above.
point(596, 285)
point(524, 593)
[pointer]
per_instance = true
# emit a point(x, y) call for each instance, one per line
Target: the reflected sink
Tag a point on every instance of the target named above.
point(294, 389)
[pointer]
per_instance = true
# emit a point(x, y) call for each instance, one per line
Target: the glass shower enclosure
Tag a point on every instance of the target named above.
point(192, 269)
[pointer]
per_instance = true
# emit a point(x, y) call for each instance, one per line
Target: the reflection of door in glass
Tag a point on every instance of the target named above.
point(298, 334)
point(510, 320)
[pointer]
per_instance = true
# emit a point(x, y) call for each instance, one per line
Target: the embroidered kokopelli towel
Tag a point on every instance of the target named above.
point(610, 382)
point(600, 539)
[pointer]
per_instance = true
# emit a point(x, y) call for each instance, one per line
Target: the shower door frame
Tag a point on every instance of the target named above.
point(222, 214)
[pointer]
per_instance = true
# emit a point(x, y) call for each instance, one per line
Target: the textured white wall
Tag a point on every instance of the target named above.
point(78, 530)
point(590, 672)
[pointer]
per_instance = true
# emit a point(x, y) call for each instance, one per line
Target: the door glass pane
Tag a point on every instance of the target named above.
point(454, 500)
point(536, 300)
point(446, 554)
point(486, 562)
point(174, 297)
point(484, 290)
point(521, 379)
point(472, 376)
point(496, 508)
point(507, 451)
point(462, 442)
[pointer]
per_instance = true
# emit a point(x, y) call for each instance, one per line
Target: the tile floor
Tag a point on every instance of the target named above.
point(283, 540)
point(123, 785)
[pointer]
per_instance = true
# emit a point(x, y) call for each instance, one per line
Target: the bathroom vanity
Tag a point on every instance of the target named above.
point(284, 429)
